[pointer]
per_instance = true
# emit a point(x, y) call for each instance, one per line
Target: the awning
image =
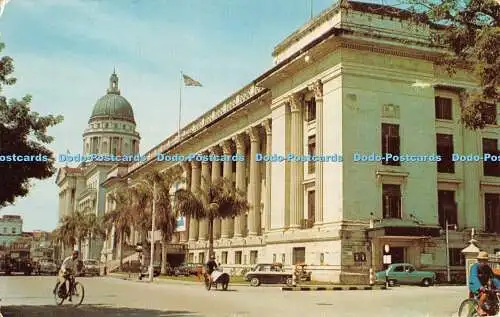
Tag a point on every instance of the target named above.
point(416, 232)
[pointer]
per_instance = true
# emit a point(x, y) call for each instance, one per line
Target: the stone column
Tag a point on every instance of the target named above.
point(267, 202)
point(187, 171)
point(205, 183)
point(227, 172)
point(254, 221)
point(216, 175)
point(297, 168)
point(317, 88)
point(195, 187)
point(240, 141)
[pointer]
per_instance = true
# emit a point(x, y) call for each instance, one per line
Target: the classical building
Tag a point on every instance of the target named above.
point(111, 131)
point(344, 85)
point(11, 229)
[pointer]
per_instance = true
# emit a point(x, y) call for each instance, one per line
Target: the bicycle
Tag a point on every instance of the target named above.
point(491, 306)
point(61, 292)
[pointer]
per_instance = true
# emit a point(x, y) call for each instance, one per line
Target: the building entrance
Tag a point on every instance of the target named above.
point(398, 254)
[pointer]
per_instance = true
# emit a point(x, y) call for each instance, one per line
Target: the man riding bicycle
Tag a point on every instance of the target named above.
point(69, 269)
point(211, 266)
point(481, 276)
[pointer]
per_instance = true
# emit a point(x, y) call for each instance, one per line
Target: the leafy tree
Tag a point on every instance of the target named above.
point(470, 30)
point(165, 220)
point(219, 200)
point(23, 132)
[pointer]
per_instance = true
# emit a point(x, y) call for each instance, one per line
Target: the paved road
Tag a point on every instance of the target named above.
point(31, 296)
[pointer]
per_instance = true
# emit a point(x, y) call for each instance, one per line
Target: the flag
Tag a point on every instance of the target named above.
point(2, 6)
point(188, 81)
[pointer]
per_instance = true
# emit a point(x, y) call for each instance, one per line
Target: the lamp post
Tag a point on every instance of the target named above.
point(447, 226)
point(153, 225)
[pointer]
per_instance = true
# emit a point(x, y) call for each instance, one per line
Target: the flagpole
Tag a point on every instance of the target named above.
point(180, 109)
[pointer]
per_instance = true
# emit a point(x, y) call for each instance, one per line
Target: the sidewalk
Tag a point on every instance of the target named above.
point(302, 287)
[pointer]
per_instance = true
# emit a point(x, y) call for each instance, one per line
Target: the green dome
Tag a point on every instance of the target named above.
point(113, 105)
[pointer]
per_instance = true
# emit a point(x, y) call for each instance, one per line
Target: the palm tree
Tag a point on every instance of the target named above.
point(66, 233)
point(165, 215)
point(121, 217)
point(94, 228)
point(219, 200)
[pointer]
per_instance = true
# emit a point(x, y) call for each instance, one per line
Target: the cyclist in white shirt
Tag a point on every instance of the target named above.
point(69, 269)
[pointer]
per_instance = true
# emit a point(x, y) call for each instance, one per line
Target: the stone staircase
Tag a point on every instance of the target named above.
point(114, 265)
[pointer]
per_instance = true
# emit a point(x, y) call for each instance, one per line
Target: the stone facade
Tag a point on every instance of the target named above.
point(11, 229)
point(337, 84)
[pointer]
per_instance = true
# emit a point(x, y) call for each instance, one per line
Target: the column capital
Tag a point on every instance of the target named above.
point(296, 100)
point(195, 164)
point(240, 141)
point(254, 133)
point(227, 147)
point(267, 124)
point(317, 88)
point(215, 150)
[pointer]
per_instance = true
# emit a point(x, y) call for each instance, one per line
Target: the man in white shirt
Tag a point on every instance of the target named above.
point(69, 269)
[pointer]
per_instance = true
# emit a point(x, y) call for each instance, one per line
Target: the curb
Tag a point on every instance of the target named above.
point(334, 288)
point(165, 281)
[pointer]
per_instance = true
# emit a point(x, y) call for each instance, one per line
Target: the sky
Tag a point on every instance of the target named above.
point(65, 51)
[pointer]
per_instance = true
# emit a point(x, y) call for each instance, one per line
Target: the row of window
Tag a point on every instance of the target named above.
point(391, 145)
point(108, 125)
point(447, 207)
point(298, 256)
point(444, 110)
point(13, 230)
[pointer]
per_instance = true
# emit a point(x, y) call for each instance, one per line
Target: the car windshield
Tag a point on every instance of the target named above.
point(90, 262)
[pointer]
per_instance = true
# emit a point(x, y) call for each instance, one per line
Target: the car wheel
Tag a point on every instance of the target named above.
point(392, 283)
point(426, 282)
point(289, 281)
point(254, 282)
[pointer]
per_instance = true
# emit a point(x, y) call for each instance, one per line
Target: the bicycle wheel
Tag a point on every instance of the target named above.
point(59, 293)
point(468, 308)
point(78, 294)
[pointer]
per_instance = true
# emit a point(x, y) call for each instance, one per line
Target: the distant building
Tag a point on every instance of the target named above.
point(41, 246)
point(11, 229)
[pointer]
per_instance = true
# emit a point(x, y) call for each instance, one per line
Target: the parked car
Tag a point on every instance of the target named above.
point(145, 271)
point(267, 273)
point(47, 266)
point(91, 267)
point(188, 269)
point(404, 273)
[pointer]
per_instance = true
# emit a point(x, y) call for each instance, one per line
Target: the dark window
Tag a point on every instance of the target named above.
point(13, 230)
point(234, 167)
point(299, 255)
point(489, 113)
point(391, 198)
point(253, 257)
point(311, 149)
point(237, 257)
point(224, 257)
point(399, 268)
point(445, 150)
point(311, 200)
point(456, 257)
point(190, 257)
point(443, 108)
point(390, 143)
point(447, 208)
point(492, 213)
point(311, 110)
point(491, 165)
point(201, 257)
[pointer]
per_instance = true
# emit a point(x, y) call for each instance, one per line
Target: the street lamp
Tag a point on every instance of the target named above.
point(153, 226)
point(446, 229)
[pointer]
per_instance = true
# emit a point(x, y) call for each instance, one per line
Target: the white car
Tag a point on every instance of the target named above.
point(47, 267)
